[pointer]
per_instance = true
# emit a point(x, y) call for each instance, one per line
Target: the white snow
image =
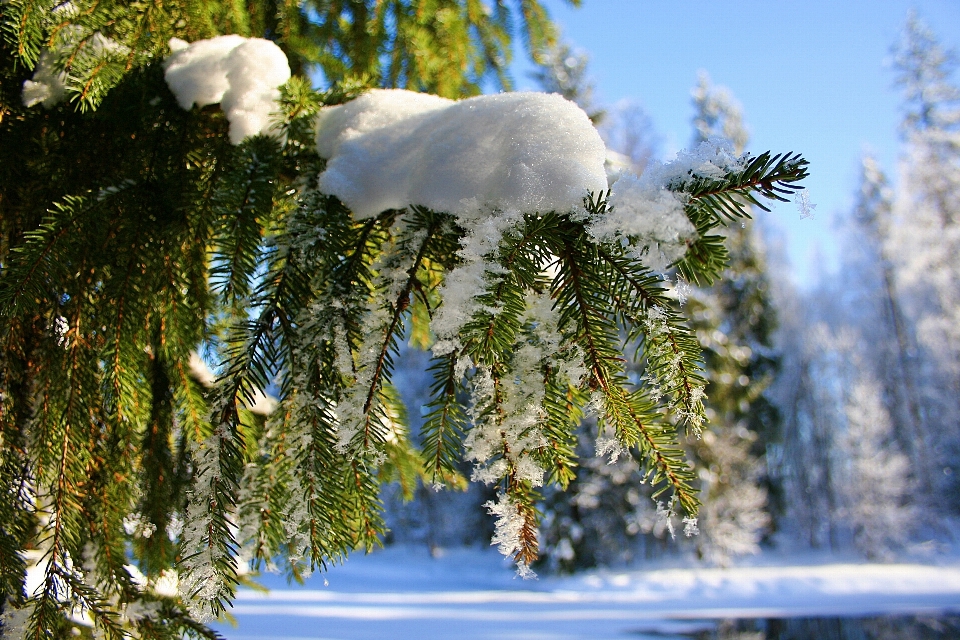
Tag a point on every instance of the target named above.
point(242, 74)
point(526, 152)
point(47, 85)
point(643, 208)
point(471, 594)
point(489, 159)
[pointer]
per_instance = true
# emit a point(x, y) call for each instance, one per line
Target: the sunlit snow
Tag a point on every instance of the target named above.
point(402, 592)
point(242, 74)
point(527, 152)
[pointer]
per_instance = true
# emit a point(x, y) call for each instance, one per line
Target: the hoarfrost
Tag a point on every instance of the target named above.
point(683, 290)
point(665, 514)
point(201, 580)
point(613, 446)
point(644, 210)
point(242, 74)
point(806, 207)
point(509, 526)
point(645, 214)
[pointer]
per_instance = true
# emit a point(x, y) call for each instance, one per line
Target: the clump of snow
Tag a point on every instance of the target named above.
point(47, 85)
point(389, 149)
point(197, 73)
point(138, 526)
point(262, 404)
point(242, 74)
point(200, 370)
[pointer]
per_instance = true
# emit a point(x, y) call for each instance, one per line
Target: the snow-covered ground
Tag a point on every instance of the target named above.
point(468, 594)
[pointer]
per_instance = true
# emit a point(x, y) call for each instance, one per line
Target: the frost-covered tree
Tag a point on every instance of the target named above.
point(894, 411)
point(878, 496)
point(923, 243)
point(808, 391)
point(165, 189)
point(887, 342)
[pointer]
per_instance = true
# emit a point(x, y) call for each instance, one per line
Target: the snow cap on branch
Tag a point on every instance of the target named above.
point(242, 74)
point(525, 152)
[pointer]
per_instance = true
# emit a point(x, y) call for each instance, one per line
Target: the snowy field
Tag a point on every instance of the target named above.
point(471, 595)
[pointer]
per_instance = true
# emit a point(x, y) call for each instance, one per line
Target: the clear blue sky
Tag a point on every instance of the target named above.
point(813, 76)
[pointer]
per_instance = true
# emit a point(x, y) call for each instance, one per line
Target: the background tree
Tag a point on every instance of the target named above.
point(923, 241)
point(870, 367)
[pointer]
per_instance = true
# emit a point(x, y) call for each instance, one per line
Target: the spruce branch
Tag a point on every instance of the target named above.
point(429, 223)
point(243, 201)
point(563, 405)
point(672, 354)
point(771, 176)
point(445, 422)
point(24, 24)
point(37, 263)
point(712, 202)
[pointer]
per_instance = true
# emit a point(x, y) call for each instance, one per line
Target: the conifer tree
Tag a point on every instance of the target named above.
point(871, 371)
point(922, 246)
point(141, 222)
point(887, 334)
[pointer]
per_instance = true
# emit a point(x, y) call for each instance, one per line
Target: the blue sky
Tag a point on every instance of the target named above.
point(812, 76)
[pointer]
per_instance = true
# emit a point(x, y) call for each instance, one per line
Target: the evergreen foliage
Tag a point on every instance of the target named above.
point(132, 234)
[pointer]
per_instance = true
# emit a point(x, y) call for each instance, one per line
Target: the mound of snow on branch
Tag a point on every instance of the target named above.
point(511, 152)
point(47, 87)
point(242, 74)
